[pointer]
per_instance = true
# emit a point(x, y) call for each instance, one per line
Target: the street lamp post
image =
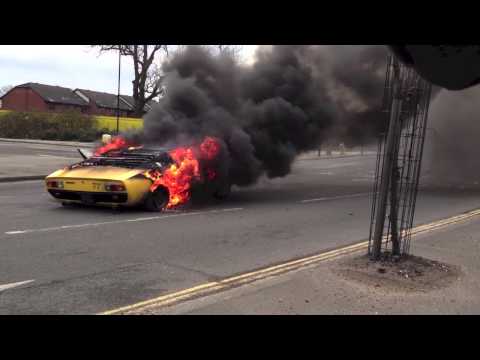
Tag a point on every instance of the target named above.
point(118, 90)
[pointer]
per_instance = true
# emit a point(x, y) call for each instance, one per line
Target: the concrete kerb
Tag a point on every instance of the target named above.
point(334, 157)
point(22, 178)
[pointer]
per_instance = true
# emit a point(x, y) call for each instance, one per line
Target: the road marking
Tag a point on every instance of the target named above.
point(13, 285)
point(334, 166)
point(213, 287)
point(66, 227)
point(334, 198)
point(56, 156)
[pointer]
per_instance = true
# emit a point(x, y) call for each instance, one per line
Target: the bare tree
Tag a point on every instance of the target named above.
point(5, 89)
point(232, 50)
point(147, 75)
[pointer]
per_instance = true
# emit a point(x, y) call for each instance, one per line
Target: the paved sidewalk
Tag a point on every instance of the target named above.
point(49, 142)
point(321, 290)
point(313, 155)
point(25, 167)
point(47, 157)
point(33, 159)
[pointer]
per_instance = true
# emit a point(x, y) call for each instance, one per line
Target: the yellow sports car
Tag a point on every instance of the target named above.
point(127, 177)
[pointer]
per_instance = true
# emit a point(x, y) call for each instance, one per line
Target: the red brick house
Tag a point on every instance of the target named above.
point(44, 98)
point(101, 103)
point(47, 98)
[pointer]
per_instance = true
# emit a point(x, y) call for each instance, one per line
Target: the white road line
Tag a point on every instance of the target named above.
point(54, 156)
point(334, 198)
point(13, 285)
point(66, 227)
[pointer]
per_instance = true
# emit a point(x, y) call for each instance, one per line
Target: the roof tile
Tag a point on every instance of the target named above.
point(55, 94)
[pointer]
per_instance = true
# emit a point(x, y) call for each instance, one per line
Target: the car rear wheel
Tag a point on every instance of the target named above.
point(157, 200)
point(223, 192)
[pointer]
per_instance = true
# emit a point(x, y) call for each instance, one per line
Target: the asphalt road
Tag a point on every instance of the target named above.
point(89, 260)
point(14, 148)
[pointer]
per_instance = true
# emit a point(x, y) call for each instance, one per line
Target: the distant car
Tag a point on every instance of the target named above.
point(119, 178)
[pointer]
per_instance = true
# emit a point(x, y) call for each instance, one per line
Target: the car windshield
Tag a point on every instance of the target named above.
point(138, 158)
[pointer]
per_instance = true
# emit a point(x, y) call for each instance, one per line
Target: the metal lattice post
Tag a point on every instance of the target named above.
point(387, 170)
point(406, 101)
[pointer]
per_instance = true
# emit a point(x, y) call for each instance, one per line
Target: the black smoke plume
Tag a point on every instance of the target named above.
point(452, 139)
point(291, 100)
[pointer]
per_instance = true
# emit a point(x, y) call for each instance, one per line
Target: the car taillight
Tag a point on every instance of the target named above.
point(55, 184)
point(114, 187)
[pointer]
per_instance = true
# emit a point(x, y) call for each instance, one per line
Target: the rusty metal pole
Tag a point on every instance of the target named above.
point(387, 170)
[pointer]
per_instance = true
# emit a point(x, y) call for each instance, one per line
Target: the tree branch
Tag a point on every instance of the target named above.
point(146, 85)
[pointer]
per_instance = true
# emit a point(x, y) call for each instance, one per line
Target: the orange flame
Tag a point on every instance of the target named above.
point(209, 148)
point(179, 177)
point(117, 143)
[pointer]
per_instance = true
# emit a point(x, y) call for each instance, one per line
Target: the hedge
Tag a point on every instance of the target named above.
point(110, 123)
point(66, 126)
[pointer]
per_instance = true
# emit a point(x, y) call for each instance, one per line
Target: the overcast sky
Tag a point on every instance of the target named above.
point(73, 66)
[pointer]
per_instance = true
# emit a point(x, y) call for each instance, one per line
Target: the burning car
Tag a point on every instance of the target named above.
point(124, 174)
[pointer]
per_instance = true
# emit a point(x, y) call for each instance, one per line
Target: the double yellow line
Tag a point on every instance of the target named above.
point(235, 281)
